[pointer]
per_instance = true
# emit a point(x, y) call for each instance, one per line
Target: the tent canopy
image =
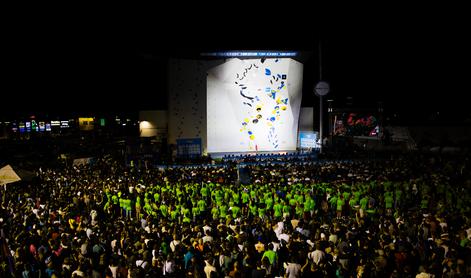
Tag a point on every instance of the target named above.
point(8, 175)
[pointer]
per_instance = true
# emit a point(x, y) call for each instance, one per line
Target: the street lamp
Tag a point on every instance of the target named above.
point(321, 89)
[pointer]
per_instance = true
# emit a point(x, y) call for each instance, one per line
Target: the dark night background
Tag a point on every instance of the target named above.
point(418, 68)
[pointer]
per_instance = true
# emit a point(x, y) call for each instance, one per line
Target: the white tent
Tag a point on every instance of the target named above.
point(8, 175)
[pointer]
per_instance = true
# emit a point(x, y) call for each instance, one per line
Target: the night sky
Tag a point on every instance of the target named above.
point(418, 71)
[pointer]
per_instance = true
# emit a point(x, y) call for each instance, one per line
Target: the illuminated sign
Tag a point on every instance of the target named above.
point(22, 127)
point(42, 126)
point(55, 123)
point(34, 125)
point(251, 54)
point(64, 124)
point(308, 139)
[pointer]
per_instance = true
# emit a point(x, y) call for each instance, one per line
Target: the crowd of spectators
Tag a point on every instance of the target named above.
point(407, 217)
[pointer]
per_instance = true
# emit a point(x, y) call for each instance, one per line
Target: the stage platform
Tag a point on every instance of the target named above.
point(259, 155)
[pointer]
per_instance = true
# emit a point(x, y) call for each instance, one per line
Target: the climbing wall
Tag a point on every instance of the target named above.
point(187, 99)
